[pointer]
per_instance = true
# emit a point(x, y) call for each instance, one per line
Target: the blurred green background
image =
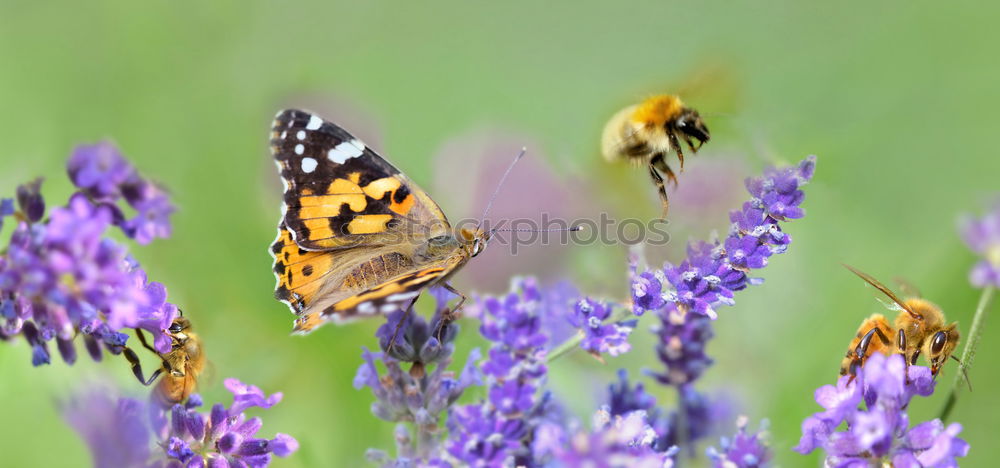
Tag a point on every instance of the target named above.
point(896, 98)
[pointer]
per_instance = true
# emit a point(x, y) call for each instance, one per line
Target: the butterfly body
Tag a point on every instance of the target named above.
point(356, 237)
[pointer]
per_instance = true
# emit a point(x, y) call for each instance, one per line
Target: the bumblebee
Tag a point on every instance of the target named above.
point(647, 132)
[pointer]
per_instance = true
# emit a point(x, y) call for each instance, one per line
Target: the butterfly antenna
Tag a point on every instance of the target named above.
point(570, 229)
point(500, 184)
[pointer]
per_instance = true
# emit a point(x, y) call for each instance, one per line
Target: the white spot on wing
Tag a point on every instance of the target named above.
point(346, 150)
point(388, 308)
point(309, 165)
point(301, 135)
point(366, 308)
point(299, 149)
point(284, 134)
point(314, 123)
point(400, 297)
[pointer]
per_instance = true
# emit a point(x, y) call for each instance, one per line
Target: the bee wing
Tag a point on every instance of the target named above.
point(907, 287)
point(881, 287)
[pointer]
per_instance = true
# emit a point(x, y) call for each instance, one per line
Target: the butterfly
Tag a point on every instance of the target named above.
point(356, 237)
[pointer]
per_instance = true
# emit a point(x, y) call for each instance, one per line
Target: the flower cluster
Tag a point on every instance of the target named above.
point(497, 432)
point(745, 450)
point(616, 441)
point(685, 296)
point(62, 276)
point(417, 397)
point(600, 336)
point(125, 432)
point(519, 424)
point(880, 433)
point(983, 237)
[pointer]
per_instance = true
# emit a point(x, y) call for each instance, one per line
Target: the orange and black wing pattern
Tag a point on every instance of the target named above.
point(392, 295)
point(339, 193)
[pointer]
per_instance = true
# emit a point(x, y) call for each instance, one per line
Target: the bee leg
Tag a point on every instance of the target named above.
point(901, 349)
point(133, 359)
point(660, 163)
point(677, 147)
point(145, 344)
point(861, 350)
point(661, 189)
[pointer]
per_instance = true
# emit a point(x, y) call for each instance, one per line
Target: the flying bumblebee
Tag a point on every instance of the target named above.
point(180, 367)
point(918, 329)
point(647, 132)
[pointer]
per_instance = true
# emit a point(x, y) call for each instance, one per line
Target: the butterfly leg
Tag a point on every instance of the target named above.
point(658, 181)
point(451, 314)
point(402, 320)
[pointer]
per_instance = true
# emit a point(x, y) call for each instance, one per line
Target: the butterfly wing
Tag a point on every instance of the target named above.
point(393, 294)
point(340, 194)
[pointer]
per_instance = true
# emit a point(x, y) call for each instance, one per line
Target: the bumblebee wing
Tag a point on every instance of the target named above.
point(881, 287)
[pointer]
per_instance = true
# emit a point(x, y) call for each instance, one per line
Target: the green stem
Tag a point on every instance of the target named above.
point(970, 349)
point(574, 341)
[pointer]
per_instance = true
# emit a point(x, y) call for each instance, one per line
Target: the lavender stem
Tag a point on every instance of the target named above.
point(970, 348)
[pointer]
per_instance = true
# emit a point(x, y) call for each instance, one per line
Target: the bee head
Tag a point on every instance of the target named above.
point(939, 346)
point(178, 328)
point(690, 123)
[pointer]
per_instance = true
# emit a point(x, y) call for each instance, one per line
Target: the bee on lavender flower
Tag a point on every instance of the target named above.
point(918, 329)
point(647, 132)
point(180, 367)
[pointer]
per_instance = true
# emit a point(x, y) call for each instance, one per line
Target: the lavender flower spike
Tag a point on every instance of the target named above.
point(880, 433)
point(982, 235)
point(623, 441)
point(495, 432)
point(686, 297)
point(129, 433)
point(422, 394)
point(64, 277)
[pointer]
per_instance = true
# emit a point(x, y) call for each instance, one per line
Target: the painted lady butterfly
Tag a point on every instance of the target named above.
point(356, 237)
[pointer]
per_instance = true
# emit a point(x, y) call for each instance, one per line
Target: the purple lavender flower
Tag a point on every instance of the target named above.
point(881, 432)
point(30, 201)
point(599, 336)
point(418, 396)
point(64, 277)
point(497, 431)
point(983, 236)
point(743, 450)
point(647, 289)
point(130, 433)
point(616, 441)
point(99, 170)
point(116, 431)
point(707, 279)
point(153, 210)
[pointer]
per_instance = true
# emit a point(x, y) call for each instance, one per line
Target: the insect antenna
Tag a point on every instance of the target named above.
point(562, 229)
point(500, 184)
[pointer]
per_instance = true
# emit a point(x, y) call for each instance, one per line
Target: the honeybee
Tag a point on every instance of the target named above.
point(180, 367)
point(645, 133)
point(918, 329)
